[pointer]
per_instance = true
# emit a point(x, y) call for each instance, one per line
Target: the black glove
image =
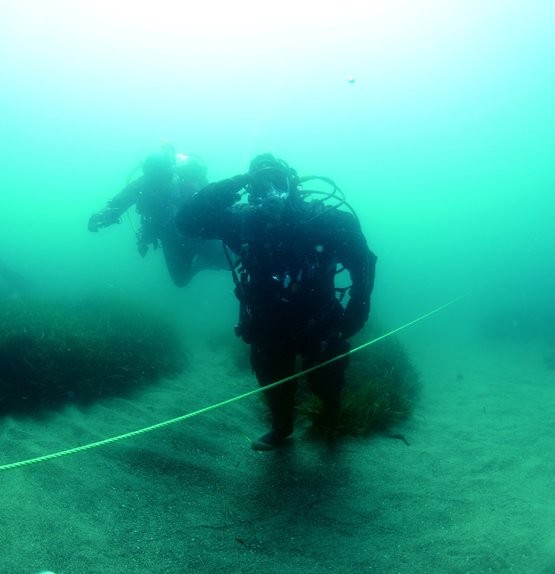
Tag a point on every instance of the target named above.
point(356, 314)
point(95, 222)
point(108, 216)
point(226, 192)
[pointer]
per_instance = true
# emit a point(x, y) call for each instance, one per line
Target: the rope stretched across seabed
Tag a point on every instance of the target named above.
point(214, 406)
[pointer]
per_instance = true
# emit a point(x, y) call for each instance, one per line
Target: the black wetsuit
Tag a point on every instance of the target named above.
point(157, 206)
point(285, 283)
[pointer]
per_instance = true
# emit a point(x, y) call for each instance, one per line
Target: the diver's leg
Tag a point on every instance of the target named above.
point(179, 255)
point(210, 255)
point(328, 382)
point(272, 363)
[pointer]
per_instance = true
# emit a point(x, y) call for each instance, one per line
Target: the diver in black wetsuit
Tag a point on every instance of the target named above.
point(288, 253)
point(168, 179)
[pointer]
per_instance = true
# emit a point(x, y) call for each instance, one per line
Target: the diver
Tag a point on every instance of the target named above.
point(285, 252)
point(168, 179)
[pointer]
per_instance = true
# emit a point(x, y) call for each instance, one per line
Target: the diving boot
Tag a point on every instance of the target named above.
point(270, 441)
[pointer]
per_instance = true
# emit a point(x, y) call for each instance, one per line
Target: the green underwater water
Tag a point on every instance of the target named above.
point(437, 120)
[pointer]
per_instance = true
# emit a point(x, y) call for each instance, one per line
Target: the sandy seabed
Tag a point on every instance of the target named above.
point(473, 492)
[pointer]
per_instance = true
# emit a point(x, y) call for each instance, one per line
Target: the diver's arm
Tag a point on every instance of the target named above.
point(203, 214)
point(116, 207)
point(357, 310)
point(361, 263)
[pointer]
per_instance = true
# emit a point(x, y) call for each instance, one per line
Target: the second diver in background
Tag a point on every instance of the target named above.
point(167, 180)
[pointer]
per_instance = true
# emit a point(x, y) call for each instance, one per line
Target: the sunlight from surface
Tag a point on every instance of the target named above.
point(216, 19)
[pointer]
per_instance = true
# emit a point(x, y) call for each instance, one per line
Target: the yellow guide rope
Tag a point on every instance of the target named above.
point(212, 407)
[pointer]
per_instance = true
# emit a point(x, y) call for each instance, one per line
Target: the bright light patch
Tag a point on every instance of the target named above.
point(219, 19)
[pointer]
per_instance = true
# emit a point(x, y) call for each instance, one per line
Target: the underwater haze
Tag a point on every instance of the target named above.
point(437, 120)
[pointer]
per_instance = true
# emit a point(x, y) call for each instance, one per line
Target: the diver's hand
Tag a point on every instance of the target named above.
point(354, 318)
point(243, 179)
point(95, 222)
point(226, 192)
